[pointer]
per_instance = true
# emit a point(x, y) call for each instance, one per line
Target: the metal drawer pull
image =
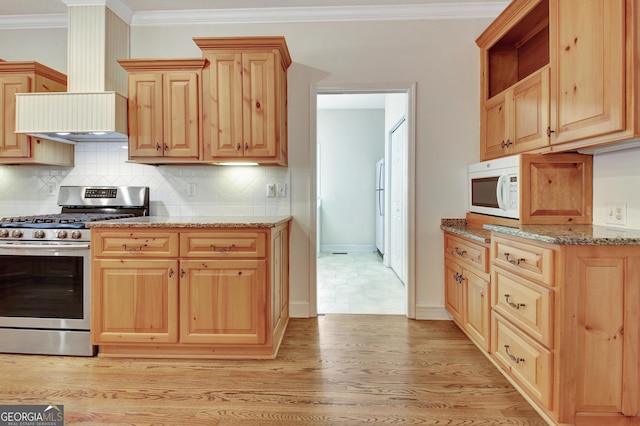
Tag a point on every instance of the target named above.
point(513, 305)
point(459, 252)
point(515, 359)
point(134, 248)
point(222, 249)
point(459, 278)
point(513, 261)
point(170, 272)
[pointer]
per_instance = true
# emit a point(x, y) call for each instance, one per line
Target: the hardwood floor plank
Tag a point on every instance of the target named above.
point(331, 370)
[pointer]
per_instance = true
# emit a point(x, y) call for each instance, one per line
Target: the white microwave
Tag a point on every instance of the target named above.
point(494, 187)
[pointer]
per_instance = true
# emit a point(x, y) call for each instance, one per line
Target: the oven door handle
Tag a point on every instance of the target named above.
point(45, 246)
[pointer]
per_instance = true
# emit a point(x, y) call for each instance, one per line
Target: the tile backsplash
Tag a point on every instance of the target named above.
point(219, 190)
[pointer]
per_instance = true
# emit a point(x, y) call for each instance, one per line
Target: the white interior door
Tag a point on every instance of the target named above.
point(398, 200)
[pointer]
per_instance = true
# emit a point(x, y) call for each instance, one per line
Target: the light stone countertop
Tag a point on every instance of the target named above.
point(459, 227)
point(572, 234)
point(553, 234)
point(202, 222)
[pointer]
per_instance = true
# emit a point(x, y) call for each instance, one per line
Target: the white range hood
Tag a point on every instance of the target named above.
point(95, 106)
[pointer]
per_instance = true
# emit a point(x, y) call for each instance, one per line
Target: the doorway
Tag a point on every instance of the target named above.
point(373, 281)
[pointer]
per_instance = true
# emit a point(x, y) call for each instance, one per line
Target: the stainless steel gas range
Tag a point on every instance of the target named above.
point(45, 270)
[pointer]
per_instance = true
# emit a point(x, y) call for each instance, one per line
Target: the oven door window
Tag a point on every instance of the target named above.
point(41, 286)
point(483, 192)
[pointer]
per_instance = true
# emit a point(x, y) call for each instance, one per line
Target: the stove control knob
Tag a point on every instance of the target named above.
point(16, 234)
point(76, 235)
point(61, 234)
point(38, 234)
point(4, 233)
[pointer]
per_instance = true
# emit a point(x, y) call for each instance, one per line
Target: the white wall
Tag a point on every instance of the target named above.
point(439, 55)
point(351, 141)
point(616, 179)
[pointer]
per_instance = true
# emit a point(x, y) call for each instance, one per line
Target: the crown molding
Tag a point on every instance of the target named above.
point(435, 11)
point(321, 14)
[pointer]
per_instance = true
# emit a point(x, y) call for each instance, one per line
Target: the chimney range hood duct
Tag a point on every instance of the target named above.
point(95, 105)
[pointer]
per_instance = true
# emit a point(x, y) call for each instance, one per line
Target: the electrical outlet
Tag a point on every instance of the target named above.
point(192, 189)
point(281, 190)
point(271, 190)
point(616, 214)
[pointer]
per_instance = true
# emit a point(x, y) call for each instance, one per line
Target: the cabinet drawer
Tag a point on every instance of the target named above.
point(528, 362)
point(528, 260)
point(467, 252)
point(135, 244)
point(223, 244)
point(528, 305)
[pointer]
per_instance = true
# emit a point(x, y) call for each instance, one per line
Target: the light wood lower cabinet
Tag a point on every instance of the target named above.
point(566, 328)
point(190, 292)
point(467, 286)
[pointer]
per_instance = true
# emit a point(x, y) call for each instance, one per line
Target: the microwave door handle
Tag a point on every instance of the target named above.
point(502, 180)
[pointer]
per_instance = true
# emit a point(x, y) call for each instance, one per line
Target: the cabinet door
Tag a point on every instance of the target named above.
point(181, 103)
point(477, 308)
point(134, 301)
point(605, 298)
point(145, 115)
point(259, 104)
point(223, 106)
point(531, 112)
point(12, 144)
point(588, 86)
point(453, 290)
point(223, 301)
point(495, 141)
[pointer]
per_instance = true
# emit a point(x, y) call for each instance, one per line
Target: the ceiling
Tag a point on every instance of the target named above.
point(31, 7)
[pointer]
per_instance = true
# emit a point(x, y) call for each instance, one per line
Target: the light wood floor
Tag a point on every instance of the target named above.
point(333, 370)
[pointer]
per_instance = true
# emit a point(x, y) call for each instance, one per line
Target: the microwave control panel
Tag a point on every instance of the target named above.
point(513, 192)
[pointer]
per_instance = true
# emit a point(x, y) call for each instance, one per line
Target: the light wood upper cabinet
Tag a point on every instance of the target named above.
point(27, 77)
point(245, 98)
point(588, 62)
point(590, 49)
point(164, 109)
point(516, 120)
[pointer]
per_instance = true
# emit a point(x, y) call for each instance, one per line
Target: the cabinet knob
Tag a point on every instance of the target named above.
point(170, 272)
point(506, 144)
point(238, 147)
point(166, 147)
point(246, 146)
point(549, 131)
point(157, 146)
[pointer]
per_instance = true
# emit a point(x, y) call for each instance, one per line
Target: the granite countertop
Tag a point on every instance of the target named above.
point(459, 227)
point(193, 222)
point(572, 234)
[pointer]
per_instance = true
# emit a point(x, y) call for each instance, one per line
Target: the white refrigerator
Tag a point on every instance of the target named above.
point(380, 206)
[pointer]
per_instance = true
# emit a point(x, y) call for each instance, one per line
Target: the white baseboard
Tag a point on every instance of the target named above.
point(432, 312)
point(423, 312)
point(346, 248)
point(299, 310)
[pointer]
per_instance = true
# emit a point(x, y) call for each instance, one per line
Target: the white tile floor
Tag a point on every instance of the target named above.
point(358, 283)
